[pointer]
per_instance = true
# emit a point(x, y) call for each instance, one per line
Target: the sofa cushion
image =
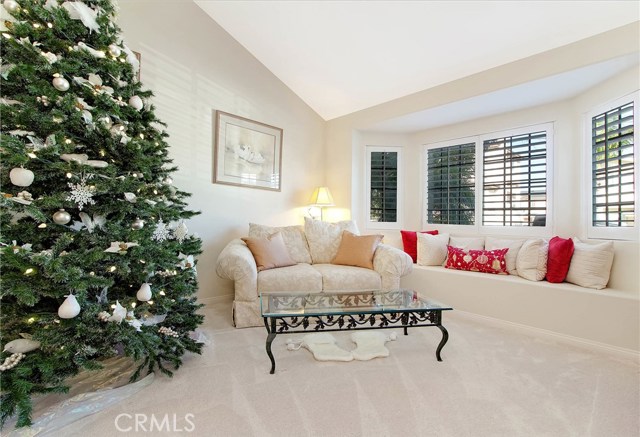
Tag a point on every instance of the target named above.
point(531, 263)
point(337, 278)
point(301, 277)
point(491, 243)
point(324, 238)
point(590, 264)
point(356, 250)
point(410, 242)
point(293, 236)
point(432, 249)
point(269, 252)
point(560, 253)
point(467, 243)
point(483, 261)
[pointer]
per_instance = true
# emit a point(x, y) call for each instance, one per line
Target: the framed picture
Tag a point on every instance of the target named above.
point(247, 153)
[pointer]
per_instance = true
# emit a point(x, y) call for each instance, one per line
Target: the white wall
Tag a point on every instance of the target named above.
point(194, 68)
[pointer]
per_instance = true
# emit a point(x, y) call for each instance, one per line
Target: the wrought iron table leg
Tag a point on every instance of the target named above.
point(445, 337)
point(272, 334)
point(405, 331)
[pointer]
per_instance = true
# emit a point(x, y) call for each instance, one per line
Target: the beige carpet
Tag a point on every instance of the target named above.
point(493, 382)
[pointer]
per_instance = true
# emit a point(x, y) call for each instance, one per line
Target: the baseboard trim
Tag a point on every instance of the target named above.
point(564, 338)
point(227, 298)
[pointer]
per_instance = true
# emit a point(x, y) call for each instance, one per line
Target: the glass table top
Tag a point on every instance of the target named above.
point(353, 302)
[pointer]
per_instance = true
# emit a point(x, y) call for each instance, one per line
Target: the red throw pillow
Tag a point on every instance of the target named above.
point(560, 253)
point(410, 242)
point(484, 261)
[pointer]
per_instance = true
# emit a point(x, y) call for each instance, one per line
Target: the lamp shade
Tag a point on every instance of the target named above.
point(321, 197)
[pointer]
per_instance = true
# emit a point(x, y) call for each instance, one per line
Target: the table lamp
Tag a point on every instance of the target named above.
point(320, 198)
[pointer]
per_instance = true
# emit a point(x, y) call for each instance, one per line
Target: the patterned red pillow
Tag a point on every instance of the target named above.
point(485, 261)
point(410, 242)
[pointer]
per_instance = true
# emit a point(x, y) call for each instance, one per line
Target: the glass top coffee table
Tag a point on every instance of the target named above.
point(290, 312)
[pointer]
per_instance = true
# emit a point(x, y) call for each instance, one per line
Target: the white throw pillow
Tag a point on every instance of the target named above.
point(590, 264)
point(432, 249)
point(293, 237)
point(468, 243)
point(531, 262)
point(324, 238)
point(514, 246)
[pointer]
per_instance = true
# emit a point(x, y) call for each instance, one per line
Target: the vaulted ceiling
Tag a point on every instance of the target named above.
point(344, 56)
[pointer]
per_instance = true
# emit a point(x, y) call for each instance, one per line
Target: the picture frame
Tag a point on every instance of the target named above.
point(247, 153)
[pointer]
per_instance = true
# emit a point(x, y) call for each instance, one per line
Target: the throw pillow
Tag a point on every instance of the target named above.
point(410, 242)
point(484, 261)
point(512, 255)
point(269, 252)
point(466, 243)
point(324, 238)
point(357, 250)
point(531, 263)
point(590, 264)
point(293, 237)
point(432, 249)
point(560, 252)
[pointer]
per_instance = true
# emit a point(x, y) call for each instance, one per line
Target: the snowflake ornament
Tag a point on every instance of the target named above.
point(81, 193)
point(162, 232)
point(181, 231)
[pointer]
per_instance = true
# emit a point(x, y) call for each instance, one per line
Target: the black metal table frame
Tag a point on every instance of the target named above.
point(414, 318)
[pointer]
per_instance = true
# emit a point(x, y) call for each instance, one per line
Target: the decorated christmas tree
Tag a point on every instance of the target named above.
point(96, 257)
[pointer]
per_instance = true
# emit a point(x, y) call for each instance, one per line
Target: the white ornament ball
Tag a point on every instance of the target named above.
point(136, 103)
point(60, 83)
point(144, 294)
point(61, 217)
point(137, 224)
point(69, 308)
point(11, 5)
point(115, 50)
point(21, 177)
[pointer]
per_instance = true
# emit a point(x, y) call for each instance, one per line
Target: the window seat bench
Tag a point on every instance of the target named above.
point(608, 317)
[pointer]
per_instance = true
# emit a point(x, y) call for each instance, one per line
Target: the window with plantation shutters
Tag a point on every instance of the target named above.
point(491, 183)
point(451, 184)
point(514, 182)
point(383, 164)
point(612, 168)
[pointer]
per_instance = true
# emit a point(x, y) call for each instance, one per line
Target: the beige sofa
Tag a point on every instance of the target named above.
point(312, 247)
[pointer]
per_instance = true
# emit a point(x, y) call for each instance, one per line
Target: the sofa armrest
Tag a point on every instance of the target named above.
point(391, 263)
point(236, 262)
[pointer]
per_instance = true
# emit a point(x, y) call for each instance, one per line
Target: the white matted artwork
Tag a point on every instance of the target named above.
point(247, 153)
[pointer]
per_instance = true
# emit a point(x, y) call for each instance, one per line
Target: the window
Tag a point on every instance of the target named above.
point(496, 181)
point(451, 184)
point(612, 137)
point(514, 180)
point(383, 209)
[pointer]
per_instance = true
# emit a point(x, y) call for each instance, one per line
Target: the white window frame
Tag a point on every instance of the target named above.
point(611, 233)
point(369, 224)
point(479, 228)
